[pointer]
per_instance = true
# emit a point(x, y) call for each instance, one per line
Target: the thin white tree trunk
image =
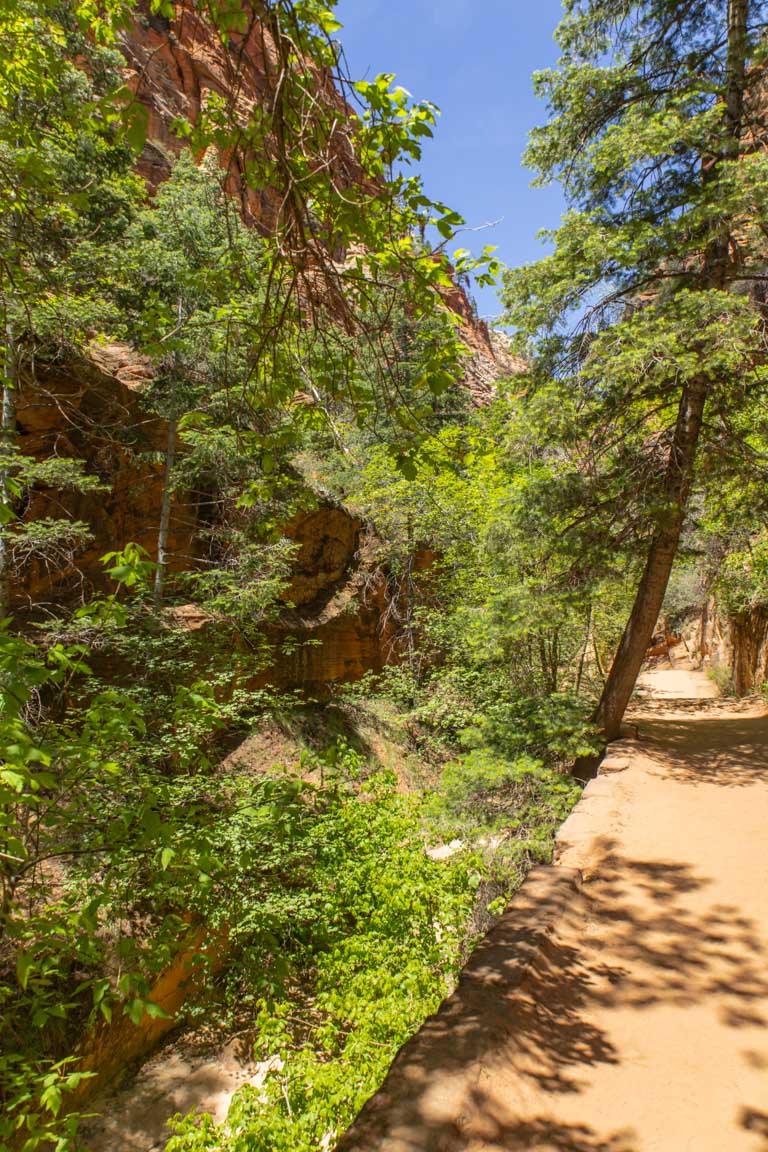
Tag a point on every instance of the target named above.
point(170, 456)
point(7, 432)
point(165, 515)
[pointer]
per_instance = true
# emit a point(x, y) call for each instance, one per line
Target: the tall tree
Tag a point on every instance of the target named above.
point(66, 189)
point(650, 304)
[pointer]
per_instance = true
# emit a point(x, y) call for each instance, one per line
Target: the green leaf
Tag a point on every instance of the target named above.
point(51, 1099)
point(406, 466)
point(135, 1011)
point(136, 121)
point(328, 22)
point(24, 966)
point(154, 1011)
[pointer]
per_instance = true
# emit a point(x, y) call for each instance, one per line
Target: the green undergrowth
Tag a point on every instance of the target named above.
point(303, 857)
point(372, 932)
point(722, 677)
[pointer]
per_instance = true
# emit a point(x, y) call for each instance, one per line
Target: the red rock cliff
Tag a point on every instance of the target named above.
point(91, 409)
point(174, 66)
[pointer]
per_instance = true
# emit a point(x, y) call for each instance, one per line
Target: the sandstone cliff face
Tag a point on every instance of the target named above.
point(90, 410)
point(737, 645)
point(334, 626)
point(174, 66)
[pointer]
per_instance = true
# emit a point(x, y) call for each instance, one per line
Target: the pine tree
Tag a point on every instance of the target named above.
point(650, 304)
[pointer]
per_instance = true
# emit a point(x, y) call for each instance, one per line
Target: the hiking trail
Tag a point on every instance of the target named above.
point(621, 1004)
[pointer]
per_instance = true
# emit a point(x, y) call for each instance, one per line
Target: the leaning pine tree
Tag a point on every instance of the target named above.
point(651, 306)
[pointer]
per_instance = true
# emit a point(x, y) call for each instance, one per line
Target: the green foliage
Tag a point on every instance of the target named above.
point(520, 798)
point(554, 727)
point(635, 102)
point(66, 180)
point(518, 600)
point(99, 784)
point(298, 145)
point(722, 678)
point(353, 956)
point(51, 543)
point(43, 934)
point(742, 583)
point(129, 567)
point(387, 930)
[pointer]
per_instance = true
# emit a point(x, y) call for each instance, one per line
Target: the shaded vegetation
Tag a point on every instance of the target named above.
point(315, 360)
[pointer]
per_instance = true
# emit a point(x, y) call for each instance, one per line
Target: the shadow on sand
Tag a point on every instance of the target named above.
point(471, 1077)
point(724, 749)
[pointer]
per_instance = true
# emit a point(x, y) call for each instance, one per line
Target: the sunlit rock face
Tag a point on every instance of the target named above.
point(336, 621)
point(90, 409)
point(174, 66)
point(334, 624)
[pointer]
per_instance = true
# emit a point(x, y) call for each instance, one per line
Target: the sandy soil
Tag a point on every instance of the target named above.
point(182, 1077)
point(638, 1022)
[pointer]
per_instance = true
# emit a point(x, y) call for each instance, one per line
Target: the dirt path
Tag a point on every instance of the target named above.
point(629, 1014)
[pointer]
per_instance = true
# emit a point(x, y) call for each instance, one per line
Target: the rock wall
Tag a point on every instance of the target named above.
point(174, 66)
point(334, 626)
point(333, 629)
point(737, 644)
point(90, 410)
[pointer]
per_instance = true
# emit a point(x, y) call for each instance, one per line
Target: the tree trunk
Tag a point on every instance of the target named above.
point(165, 516)
point(583, 652)
point(679, 473)
point(170, 457)
point(748, 635)
point(653, 584)
point(704, 632)
point(8, 418)
point(7, 431)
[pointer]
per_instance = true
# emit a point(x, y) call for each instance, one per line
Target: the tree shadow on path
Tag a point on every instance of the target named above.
point(523, 1031)
point(757, 1123)
point(728, 750)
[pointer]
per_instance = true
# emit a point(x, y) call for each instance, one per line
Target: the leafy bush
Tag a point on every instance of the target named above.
point(383, 935)
point(521, 796)
point(374, 951)
point(722, 678)
point(553, 728)
point(456, 707)
point(743, 579)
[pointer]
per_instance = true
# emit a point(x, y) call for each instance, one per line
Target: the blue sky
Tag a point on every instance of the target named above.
point(474, 59)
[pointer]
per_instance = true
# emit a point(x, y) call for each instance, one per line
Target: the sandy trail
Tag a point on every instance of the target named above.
point(641, 1024)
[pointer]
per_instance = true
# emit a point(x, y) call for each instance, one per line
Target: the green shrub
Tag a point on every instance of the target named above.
point(375, 950)
point(521, 796)
point(722, 678)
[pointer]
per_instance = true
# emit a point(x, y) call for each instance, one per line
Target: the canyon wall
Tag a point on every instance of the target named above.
point(337, 621)
point(335, 624)
point(90, 409)
point(735, 646)
point(174, 66)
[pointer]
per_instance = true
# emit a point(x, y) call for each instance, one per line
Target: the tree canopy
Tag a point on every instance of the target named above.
point(174, 782)
point(650, 305)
